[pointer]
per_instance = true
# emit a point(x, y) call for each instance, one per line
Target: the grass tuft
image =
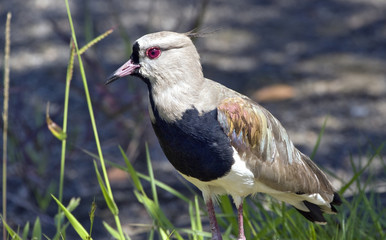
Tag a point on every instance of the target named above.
point(83, 234)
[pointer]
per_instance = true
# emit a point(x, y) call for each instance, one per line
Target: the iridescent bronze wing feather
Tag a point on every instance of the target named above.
point(264, 145)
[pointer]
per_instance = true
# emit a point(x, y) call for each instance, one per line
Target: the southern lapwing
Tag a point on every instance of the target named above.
point(218, 139)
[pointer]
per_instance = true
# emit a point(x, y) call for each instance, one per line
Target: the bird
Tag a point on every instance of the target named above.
point(221, 141)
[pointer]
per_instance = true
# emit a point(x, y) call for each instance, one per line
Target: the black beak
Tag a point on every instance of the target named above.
point(111, 79)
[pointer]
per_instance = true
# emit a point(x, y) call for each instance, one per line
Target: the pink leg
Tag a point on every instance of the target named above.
point(241, 222)
point(216, 235)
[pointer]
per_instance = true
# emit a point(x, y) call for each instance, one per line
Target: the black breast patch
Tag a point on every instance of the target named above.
point(195, 145)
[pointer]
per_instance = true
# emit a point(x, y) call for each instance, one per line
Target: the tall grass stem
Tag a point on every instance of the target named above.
point(70, 67)
point(7, 52)
point(88, 98)
point(91, 113)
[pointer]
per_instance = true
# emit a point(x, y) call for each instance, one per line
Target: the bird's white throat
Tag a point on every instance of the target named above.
point(174, 100)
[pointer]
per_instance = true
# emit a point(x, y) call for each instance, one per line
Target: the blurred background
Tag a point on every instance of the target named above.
point(302, 60)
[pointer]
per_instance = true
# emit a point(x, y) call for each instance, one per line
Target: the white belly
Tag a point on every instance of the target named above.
point(239, 183)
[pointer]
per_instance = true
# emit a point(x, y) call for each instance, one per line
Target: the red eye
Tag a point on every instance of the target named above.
point(153, 52)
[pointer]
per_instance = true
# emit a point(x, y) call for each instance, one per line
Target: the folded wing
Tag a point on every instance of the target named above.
point(264, 145)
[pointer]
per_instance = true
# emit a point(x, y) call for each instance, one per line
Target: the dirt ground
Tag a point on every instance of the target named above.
point(304, 61)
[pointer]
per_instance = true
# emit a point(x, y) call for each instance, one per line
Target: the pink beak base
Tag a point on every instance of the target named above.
point(126, 69)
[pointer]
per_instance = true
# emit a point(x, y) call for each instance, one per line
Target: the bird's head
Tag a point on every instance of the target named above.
point(162, 58)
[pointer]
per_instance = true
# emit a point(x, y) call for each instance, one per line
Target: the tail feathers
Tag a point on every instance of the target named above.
point(315, 213)
point(336, 200)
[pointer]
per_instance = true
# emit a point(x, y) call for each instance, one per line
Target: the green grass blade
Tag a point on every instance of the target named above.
point(165, 187)
point(92, 215)
point(359, 173)
point(163, 234)
point(193, 222)
point(248, 223)
point(198, 216)
point(109, 200)
point(266, 225)
point(319, 139)
point(130, 169)
point(226, 206)
point(151, 175)
point(95, 40)
point(61, 234)
point(228, 232)
point(26, 231)
point(134, 176)
point(154, 210)
point(156, 213)
point(74, 203)
point(11, 232)
point(197, 234)
point(37, 230)
point(93, 155)
point(69, 74)
point(114, 233)
point(74, 222)
point(151, 234)
point(312, 232)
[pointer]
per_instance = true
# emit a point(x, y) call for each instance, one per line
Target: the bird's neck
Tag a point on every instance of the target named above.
point(171, 102)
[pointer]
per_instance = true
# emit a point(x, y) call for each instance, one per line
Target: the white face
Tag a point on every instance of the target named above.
point(169, 63)
point(160, 56)
point(165, 56)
